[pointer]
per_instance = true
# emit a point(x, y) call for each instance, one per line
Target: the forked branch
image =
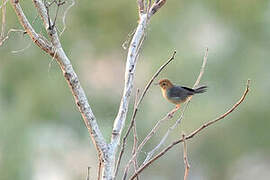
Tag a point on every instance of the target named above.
point(54, 48)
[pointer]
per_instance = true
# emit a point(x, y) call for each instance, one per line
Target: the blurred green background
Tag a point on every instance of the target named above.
point(42, 135)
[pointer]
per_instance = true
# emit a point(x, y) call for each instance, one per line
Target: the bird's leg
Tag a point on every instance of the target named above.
point(174, 110)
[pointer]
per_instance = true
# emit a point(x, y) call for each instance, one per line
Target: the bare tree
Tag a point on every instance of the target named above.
point(108, 152)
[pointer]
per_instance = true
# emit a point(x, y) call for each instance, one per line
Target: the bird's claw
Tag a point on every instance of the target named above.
point(170, 115)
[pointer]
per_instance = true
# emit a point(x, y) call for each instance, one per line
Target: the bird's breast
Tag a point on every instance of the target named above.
point(164, 93)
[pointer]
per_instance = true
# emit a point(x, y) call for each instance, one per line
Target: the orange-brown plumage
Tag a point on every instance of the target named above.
point(177, 94)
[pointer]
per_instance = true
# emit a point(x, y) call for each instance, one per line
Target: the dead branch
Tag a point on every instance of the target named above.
point(191, 135)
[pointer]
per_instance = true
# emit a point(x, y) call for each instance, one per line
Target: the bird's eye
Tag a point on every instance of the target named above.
point(163, 84)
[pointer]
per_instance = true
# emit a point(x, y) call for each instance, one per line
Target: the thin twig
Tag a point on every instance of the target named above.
point(148, 7)
point(135, 144)
point(140, 6)
point(136, 109)
point(134, 148)
point(155, 75)
point(202, 68)
point(146, 139)
point(156, 6)
point(178, 121)
point(185, 157)
point(126, 135)
point(162, 141)
point(191, 135)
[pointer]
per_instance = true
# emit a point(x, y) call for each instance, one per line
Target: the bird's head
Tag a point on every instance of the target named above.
point(165, 84)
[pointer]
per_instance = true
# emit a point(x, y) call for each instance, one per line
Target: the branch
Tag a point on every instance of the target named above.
point(185, 157)
point(54, 48)
point(178, 121)
point(141, 6)
point(135, 144)
point(202, 69)
point(129, 78)
point(126, 135)
point(131, 62)
point(191, 135)
point(134, 148)
point(156, 6)
point(146, 139)
point(135, 113)
point(155, 76)
point(36, 38)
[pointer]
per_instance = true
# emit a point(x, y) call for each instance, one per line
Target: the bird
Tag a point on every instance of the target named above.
point(178, 94)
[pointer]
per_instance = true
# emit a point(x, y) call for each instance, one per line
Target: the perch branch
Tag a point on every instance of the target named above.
point(191, 135)
point(162, 141)
point(131, 62)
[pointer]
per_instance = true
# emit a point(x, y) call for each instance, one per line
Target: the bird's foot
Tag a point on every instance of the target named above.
point(170, 115)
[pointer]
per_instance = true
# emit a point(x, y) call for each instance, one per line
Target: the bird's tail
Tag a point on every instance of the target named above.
point(201, 89)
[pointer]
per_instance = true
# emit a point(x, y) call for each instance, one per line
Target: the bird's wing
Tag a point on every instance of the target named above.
point(178, 92)
point(191, 91)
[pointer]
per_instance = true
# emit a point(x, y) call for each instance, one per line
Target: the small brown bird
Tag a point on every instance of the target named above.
point(178, 94)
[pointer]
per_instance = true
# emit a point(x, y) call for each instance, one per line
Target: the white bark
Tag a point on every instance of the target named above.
point(129, 81)
point(55, 49)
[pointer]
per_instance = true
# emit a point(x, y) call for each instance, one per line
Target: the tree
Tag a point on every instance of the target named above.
point(107, 152)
